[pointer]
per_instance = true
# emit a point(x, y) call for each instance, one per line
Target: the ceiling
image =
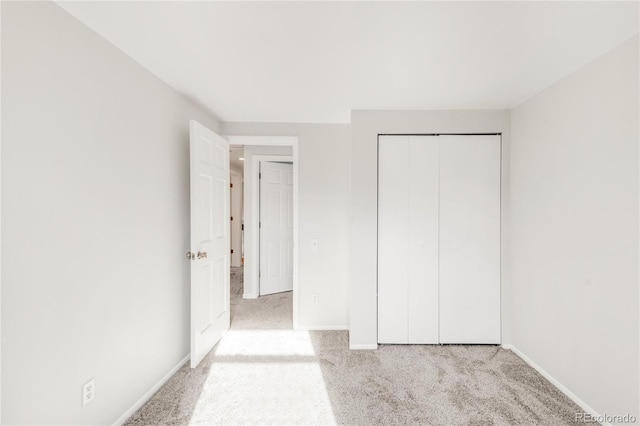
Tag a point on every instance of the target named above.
point(316, 61)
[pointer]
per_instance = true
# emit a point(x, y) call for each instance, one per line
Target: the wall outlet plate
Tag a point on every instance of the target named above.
point(88, 392)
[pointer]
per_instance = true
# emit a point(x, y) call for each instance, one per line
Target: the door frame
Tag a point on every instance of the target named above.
point(252, 260)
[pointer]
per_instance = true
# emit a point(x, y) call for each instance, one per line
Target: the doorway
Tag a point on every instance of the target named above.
point(258, 149)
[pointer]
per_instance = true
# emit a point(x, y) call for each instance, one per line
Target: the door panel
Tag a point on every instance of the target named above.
point(470, 239)
point(206, 277)
point(205, 188)
point(222, 296)
point(393, 234)
point(423, 239)
point(276, 227)
point(408, 239)
point(273, 259)
point(210, 314)
point(221, 209)
point(273, 207)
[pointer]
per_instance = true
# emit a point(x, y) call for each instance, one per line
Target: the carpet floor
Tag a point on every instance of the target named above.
point(262, 372)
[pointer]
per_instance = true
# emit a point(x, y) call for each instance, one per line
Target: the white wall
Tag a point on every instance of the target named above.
point(365, 127)
point(251, 265)
point(95, 210)
point(574, 230)
point(323, 213)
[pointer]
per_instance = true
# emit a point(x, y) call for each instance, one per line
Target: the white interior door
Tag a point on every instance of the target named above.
point(276, 227)
point(210, 315)
point(470, 239)
point(408, 239)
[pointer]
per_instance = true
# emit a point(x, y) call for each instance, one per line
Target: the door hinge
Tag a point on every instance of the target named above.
point(259, 224)
point(231, 217)
point(231, 251)
point(230, 185)
point(259, 175)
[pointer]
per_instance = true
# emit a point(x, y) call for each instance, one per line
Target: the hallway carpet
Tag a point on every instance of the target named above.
point(262, 372)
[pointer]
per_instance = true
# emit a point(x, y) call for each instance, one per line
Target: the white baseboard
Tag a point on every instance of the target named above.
point(322, 327)
point(249, 296)
point(562, 388)
point(363, 347)
point(147, 396)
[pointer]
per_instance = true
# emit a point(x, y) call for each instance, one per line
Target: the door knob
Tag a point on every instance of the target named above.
point(202, 255)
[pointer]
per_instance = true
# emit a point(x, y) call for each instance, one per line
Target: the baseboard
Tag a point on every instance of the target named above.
point(363, 347)
point(147, 396)
point(562, 388)
point(322, 327)
point(249, 296)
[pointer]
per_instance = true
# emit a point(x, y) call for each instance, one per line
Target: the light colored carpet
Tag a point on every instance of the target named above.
point(262, 372)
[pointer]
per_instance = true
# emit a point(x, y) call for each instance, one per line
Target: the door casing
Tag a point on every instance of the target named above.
point(251, 278)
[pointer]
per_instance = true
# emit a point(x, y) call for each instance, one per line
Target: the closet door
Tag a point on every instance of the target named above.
point(408, 239)
point(423, 239)
point(470, 239)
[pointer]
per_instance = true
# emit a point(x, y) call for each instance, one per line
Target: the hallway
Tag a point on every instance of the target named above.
point(272, 312)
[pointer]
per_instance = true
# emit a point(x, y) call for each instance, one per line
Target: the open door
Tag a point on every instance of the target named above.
point(210, 314)
point(276, 227)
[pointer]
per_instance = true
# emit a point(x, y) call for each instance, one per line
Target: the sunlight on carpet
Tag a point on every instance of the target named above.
point(266, 377)
point(265, 343)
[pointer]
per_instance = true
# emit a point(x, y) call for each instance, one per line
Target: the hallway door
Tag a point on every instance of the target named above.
point(276, 227)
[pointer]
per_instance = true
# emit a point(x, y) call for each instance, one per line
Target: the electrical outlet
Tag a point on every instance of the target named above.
point(88, 392)
point(314, 299)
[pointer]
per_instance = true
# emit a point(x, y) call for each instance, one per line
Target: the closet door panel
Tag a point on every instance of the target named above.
point(423, 239)
point(470, 239)
point(393, 234)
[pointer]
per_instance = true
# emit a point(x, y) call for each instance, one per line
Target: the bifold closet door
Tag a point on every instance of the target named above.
point(470, 239)
point(408, 239)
